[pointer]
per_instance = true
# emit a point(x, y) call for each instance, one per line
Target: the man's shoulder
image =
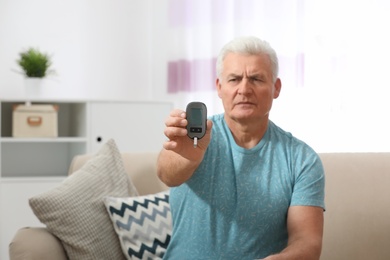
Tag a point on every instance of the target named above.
point(279, 132)
point(288, 138)
point(218, 122)
point(216, 118)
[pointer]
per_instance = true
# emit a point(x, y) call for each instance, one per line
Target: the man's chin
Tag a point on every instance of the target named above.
point(243, 117)
point(245, 113)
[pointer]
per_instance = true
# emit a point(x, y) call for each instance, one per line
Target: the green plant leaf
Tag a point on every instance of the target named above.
point(34, 63)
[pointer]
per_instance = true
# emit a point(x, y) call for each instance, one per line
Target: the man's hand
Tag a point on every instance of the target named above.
point(179, 158)
point(179, 142)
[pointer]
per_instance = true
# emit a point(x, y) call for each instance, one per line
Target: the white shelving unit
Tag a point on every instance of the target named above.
point(29, 166)
point(39, 157)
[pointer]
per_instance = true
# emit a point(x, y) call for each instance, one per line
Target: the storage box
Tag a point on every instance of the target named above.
point(35, 121)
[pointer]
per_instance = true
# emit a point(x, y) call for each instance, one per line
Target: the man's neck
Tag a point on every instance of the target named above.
point(247, 134)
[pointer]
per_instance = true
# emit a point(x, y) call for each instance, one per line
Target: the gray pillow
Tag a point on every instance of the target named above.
point(75, 212)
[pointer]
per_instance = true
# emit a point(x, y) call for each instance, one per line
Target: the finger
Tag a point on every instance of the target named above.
point(169, 145)
point(209, 124)
point(177, 117)
point(178, 113)
point(176, 122)
point(175, 132)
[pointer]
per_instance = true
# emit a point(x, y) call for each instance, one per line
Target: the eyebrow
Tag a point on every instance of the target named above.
point(254, 75)
point(234, 75)
point(258, 75)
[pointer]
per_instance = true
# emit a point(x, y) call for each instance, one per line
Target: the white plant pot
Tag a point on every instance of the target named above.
point(33, 89)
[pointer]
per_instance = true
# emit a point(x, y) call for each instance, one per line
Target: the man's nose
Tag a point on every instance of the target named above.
point(245, 86)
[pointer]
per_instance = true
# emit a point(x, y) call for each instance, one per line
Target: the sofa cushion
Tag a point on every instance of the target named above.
point(357, 219)
point(143, 224)
point(75, 212)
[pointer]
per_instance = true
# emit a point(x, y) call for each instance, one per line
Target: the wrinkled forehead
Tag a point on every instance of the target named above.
point(246, 63)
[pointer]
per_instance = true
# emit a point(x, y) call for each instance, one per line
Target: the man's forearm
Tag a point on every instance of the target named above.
point(299, 250)
point(173, 169)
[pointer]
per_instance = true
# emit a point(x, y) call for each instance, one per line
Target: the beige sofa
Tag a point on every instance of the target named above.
point(357, 219)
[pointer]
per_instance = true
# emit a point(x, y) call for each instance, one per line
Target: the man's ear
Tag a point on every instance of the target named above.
point(218, 87)
point(277, 88)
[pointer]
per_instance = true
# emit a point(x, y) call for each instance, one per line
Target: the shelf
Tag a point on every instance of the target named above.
point(32, 180)
point(46, 157)
point(72, 119)
point(44, 140)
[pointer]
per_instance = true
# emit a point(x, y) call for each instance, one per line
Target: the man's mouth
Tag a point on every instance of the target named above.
point(245, 103)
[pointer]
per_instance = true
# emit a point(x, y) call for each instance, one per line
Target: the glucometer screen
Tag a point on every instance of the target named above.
point(196, 116)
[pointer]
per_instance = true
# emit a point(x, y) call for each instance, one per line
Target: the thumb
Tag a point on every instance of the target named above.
point(209, 125)
point(208, 131)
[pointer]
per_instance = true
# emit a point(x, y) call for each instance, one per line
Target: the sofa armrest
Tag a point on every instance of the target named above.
point(36, 244)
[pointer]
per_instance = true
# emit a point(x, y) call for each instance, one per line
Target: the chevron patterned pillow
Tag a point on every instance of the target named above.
point(143, 224)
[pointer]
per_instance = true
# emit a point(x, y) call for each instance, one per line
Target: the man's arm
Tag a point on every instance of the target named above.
point(179, 158)
point(173, 169)
point(305, 231)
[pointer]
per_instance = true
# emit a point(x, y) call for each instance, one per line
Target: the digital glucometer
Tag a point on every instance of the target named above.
point(197, 118)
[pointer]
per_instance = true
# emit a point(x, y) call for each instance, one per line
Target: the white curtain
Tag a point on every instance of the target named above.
point(333, 58)
point(198, 29)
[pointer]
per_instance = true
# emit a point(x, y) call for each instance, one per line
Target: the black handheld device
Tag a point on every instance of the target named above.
point(196, 117)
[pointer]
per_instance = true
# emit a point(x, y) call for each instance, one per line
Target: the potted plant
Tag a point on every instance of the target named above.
point(34, 63)
point(35, 66)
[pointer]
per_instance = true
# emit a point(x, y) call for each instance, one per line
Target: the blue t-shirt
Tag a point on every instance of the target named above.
point(235, 204)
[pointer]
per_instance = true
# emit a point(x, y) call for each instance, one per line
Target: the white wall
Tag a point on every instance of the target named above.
point(100, 49)
point(119, 50)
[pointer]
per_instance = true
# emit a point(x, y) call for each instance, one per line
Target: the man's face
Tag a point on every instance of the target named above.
point(246, 87)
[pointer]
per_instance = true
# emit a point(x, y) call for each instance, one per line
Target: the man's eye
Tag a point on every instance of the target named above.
point(232, 80)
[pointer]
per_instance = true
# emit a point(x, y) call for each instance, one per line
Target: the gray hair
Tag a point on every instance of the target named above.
point(248, 45)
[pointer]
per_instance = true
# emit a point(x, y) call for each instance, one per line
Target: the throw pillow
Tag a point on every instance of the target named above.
point(75, 212)
point(143, 224)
